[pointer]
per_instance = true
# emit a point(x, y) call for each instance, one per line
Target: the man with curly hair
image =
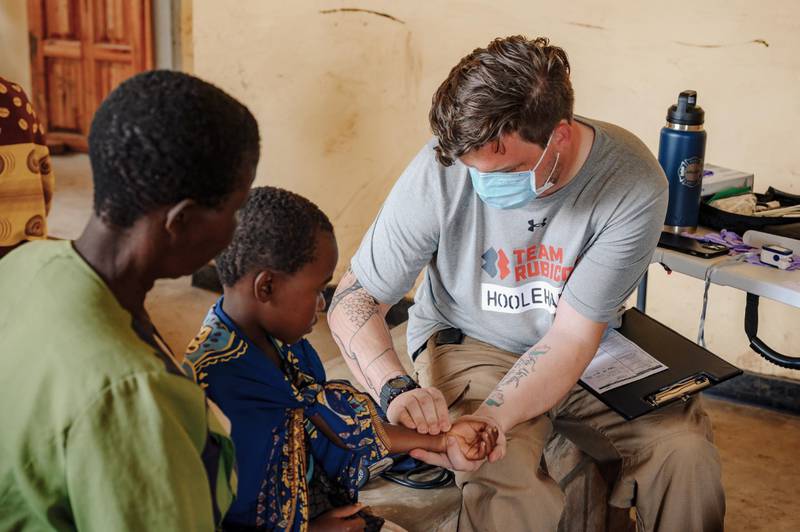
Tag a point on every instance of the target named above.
point(533, 225)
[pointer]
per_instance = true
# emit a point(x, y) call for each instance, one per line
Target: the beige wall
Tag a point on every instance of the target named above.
point(342, 100)
point(14, 57)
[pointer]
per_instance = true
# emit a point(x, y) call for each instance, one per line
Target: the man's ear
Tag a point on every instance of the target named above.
point(180, 217)
point(562, 133)
point(263, 286)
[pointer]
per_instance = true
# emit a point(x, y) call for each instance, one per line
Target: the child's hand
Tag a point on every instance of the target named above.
point(342, 519)
point(475, 438)
point(466, 446)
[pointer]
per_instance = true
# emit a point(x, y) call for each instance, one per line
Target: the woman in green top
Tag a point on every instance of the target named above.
point(99, 429)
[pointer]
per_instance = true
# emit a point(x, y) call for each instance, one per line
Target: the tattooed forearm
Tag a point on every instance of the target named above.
point(355, 365)
point(495, 398)
point(521, 369)
point(372, 385)
point(341, 345)
point(371, 362)
point(357, 308)
point(358, 326)
point(361, 359)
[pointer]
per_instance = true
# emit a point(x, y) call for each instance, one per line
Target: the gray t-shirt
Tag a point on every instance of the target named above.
point(498, 274)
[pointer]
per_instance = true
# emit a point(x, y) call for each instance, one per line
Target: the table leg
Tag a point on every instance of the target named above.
point(641, 293)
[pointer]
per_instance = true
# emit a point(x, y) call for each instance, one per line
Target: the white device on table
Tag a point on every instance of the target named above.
point(776, 255)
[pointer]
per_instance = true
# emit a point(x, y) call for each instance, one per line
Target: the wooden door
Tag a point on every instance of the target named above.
point(80, 51)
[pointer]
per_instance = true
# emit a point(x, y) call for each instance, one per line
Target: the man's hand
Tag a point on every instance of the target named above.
point(421, 409)
point(342, 519)
point(466, 427)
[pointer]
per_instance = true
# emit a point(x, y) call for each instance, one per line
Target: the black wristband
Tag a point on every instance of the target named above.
point(394, 387)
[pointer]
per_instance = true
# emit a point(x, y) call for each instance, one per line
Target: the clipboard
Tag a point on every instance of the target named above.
point(690, 368)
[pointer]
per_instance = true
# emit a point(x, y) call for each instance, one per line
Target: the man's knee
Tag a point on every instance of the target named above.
point(692, 455)
point(500, 502)
point(680, 487)
point(683, 471)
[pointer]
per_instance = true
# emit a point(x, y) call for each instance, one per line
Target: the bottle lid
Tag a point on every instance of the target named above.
point(686, 112)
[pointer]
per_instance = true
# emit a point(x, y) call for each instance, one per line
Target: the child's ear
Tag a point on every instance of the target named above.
point(262, 286)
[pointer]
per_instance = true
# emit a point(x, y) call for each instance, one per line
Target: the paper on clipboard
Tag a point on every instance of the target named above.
point(618, 362)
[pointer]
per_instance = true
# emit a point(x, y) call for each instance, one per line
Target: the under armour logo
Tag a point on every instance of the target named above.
point(532, 225)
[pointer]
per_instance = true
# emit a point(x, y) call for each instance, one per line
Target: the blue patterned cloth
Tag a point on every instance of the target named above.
point(278, 417)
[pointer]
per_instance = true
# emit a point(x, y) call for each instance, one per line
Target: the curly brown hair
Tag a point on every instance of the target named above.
point(513, 85)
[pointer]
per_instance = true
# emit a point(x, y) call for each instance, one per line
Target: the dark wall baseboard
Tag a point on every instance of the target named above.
point(752, 388)
point(761, 390)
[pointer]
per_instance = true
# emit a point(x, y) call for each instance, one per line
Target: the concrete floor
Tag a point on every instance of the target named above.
point(757, 446)
point(72, 201)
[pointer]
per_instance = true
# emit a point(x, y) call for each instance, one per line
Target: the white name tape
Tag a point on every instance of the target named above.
point(519, 299)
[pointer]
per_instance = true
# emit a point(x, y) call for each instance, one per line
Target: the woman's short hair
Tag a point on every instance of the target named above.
point(164, 136)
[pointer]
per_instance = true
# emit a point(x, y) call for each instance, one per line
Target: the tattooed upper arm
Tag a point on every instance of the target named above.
point(354, 300)
point(358, 326)
point(343, 290)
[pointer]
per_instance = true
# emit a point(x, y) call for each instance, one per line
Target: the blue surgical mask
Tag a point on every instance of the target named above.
point(509, 190)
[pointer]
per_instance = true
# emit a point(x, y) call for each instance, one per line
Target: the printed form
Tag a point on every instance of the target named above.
point(619, 361)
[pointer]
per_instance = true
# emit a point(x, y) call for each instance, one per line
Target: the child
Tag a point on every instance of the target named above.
point(303, 445)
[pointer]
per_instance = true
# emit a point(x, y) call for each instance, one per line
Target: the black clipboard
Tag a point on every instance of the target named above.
point(691, 368)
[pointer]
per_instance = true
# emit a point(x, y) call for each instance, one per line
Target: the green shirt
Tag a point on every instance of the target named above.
point(95, 432)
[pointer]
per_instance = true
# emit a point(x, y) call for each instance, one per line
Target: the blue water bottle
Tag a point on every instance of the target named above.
point(681, 151)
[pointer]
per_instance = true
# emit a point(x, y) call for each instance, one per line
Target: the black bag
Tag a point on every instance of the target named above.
point(739, 223)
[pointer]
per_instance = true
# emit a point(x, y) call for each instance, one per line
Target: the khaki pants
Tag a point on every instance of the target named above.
point(670, 467)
